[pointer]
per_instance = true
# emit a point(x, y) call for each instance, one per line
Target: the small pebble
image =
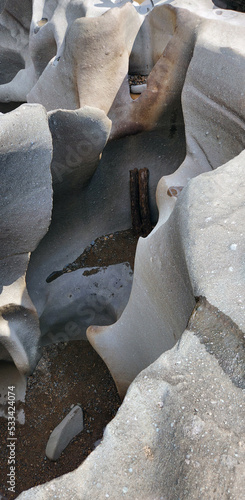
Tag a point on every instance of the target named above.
point(138, 89)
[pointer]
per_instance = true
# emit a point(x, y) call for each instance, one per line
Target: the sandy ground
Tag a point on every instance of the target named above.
point(67, 374)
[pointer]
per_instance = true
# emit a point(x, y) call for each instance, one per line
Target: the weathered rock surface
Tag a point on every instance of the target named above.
point(99, 208)
point(61, 436)
point(128, 42)
point(75, 160)
point(222, 338)
point(26, 203)
point(2, 5)
point(16, 69)
point(198, 251)
point(115, 31)
point(102, 206)
point(158, 310)
point(180, 431)
point(157, 110)
point(31, 35)
point(179, 434)
point(212, 212)
point(98, 296)
point(214, 113)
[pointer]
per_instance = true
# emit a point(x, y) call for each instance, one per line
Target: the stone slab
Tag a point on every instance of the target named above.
point(61, 436)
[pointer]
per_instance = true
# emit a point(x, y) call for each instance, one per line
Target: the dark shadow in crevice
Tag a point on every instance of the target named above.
point(6, 107)
point(11, 62)
point(237, 5)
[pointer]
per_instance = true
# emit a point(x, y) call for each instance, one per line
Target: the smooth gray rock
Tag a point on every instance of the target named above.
point(26, 190)
point(25, 206)
point(212, 103)
point(16, 69)
point(84, 299)
point(2, 5)
point(180, 431)
point(75, 160)
point(61, 436)
point(212, 213)
point(138, 89)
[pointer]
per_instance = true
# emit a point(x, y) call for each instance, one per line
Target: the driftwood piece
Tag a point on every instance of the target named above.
point(134, 197)
point(146, 226)
point(139, 195)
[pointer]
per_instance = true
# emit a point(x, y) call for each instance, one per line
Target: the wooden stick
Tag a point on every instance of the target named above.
point(146, 226)
point(134, 197)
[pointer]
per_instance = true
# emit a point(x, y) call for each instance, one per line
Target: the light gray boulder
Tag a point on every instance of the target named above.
point(79, 138)
point(212, 215)
point(50, 23)
point(212, 100)
point(32, 33)
point(26, 203)
point(116, 31)
point(16, 68)
point(67, 429)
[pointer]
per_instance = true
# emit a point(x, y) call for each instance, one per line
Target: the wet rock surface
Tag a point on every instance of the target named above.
point(105, 251)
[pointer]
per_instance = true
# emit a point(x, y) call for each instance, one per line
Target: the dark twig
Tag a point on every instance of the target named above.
point(146, 226)
point(134, 196)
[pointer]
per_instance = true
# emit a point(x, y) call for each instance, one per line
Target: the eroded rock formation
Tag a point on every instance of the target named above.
point(197, 252)
point(176, 435)
point(26, 203)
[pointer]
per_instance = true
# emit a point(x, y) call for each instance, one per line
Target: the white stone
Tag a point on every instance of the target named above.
point(138, 89)
point(61, 436)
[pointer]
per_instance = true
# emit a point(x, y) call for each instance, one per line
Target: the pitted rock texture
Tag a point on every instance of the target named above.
point(222, 338)
point(212, 212)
